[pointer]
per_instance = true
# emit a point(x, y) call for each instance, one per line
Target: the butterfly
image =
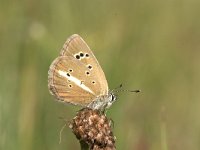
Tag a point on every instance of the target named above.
point(76, 77)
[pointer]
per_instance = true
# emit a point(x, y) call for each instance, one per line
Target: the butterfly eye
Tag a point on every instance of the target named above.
point(113, 97)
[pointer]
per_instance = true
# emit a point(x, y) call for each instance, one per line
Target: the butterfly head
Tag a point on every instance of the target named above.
point(111, 98)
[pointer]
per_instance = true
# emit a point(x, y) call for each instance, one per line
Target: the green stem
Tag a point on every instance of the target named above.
point(84, 146)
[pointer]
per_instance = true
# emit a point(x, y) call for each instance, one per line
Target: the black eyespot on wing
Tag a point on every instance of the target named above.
point(93, 82)
point(87, 72)
point(81, 54)
point(77, 57)
point(70, 70)
point(87, 55)
point(89, 67)
point(70, 85)
point(68, 74)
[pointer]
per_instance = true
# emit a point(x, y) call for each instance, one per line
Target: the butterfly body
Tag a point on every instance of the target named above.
point(102, 102)
point(76, 77)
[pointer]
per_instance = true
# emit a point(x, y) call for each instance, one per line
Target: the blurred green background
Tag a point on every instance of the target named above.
point(149, 45)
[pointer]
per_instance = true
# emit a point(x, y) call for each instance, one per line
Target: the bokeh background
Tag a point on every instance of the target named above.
point(149, 45)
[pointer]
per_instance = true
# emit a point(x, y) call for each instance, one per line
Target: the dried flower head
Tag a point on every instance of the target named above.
point(94, 128)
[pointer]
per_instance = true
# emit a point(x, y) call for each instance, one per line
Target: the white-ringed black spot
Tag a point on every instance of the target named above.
point(68, 74)
point(77, 57)
point(87, 55)
point(89, 67)
point(70, 70)
point(70, 85)
point(87, 72)
point(93, 82)
point(81, 54)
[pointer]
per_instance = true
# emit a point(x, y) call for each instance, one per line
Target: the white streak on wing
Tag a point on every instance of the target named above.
point(75, 80)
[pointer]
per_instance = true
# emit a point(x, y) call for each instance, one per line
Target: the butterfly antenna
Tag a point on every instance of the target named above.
point(123, 90)
point(136, 91)
point(115, 89)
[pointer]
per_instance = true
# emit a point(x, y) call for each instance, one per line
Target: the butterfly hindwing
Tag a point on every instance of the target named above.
point(71, 81)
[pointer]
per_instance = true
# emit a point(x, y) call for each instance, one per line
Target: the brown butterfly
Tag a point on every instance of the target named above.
point(76, 77)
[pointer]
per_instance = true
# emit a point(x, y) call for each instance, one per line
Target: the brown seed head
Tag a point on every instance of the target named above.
point(93, 128)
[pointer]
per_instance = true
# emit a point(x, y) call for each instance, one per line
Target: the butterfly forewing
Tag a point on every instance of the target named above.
point(76, 47)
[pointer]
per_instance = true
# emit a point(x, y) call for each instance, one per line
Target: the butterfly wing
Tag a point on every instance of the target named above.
point(77, 48)
point(70, 82)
